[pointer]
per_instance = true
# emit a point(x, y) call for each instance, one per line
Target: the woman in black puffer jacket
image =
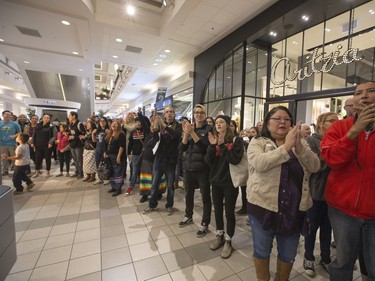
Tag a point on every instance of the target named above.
point(42, 141)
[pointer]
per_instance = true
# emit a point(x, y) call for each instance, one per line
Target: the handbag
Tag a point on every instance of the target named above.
point(104, 170)
point(240, 172)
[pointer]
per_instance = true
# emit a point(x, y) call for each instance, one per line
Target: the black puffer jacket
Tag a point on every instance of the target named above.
point(44, 135)
point(196, 151)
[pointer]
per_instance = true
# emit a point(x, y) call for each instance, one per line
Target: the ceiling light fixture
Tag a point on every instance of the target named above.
point(327, 29)
point(272, 33)
point(118, 40)
point(305, 18)
point(130, 10)
point(165, 3)
point(65, 22)
point(25, 61)
point(115, 57)
point(167, 51)
point(2, 40)
point(75, 53)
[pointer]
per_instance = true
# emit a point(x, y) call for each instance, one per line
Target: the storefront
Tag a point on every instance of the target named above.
point(299, 60)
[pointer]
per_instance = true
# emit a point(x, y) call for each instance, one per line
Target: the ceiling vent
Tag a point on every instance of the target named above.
point(98, 78)
point(133, 49)
point(29, 31)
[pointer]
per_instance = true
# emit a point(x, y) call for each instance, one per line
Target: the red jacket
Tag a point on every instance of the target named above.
point(351, 183)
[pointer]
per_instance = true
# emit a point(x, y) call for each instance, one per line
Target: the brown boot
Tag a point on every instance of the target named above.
point(92, 178)
point(88, 176)
point(262, 269)
point(283, 270)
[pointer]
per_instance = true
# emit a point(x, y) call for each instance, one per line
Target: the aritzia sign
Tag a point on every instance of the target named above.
point(319, 62)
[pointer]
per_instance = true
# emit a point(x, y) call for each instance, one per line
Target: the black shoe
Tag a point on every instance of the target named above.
point(111, 190)
point(160, 196)
point(185, 221)
point(143, 199)
point(116, 193)
point(242, 211)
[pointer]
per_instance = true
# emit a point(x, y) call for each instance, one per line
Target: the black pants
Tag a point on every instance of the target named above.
point(40, 153)
point(64, 157)
point(20, 175)
point(230, 194)
point(243, 197)
point(193, 180)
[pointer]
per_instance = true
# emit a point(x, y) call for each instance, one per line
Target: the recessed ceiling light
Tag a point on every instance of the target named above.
point(80, 69)
point(2, 40)
point(305, 18)
point(75, 53)
point(327, 29)
point(167, 51)
point(158, 60)
point(118, 40)
point(162, 56)
point(115, 57)
point(295, 43)
point(371, 12)
point(25, 61)
point(154, 63)
point(65, 22)
point(130, 10)
point(272, 33)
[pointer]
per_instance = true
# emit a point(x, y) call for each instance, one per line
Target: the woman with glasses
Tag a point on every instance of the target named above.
point(318, 214)
point(280, 163)
point(98, 136)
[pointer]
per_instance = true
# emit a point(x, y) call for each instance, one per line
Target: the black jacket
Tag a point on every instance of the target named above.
point(219, 157)
point(196, 151)
point(76, 130)
point(170, 139)
point(137, 137)
point(44, 134)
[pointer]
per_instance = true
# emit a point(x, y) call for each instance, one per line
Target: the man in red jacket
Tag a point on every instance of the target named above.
point(348, 148)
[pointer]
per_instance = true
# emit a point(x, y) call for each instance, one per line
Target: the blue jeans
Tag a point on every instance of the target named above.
point(318, 218)
point(77, 155)
point(163, 166)
point(263, 239)
point(136, 170)
point(348, 232)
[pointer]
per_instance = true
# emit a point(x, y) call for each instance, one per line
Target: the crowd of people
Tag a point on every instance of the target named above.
point(298, 182)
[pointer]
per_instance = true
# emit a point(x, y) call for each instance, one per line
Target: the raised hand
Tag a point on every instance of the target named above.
point(212, 138)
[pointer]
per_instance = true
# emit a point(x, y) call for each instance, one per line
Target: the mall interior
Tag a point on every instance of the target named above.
point(96, 57)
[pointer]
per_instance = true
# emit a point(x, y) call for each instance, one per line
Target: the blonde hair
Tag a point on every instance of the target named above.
point(321, 119)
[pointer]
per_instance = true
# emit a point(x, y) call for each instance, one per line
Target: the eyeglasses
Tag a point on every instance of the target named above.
point(200, 112)
point(330, 120)
point(279, 119)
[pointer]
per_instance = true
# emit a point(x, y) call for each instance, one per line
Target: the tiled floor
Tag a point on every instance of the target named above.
point(70, 230)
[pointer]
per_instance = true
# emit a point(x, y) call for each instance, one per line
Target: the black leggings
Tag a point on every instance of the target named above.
point(64, 157)
point(229, 193)
point(40, 153)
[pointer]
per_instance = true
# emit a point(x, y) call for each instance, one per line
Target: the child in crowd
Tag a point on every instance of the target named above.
point(63, 149)
point(22, 164)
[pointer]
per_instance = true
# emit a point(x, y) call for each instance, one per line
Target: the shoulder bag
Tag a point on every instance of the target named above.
point(240, 172)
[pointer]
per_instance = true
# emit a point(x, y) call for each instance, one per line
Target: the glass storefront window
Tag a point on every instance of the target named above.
point(228, 73)
point(219, 83)
point(237, 72)
point(365, 17)
point(362, 70)
point(336, 78)
point(251, 65)
point(261, 74)
point(211, 87)
point(219, 107)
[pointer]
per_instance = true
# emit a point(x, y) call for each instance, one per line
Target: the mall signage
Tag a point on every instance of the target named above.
point(319, 63)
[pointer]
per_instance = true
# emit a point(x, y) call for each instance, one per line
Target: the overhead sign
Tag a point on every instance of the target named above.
point(317, 64)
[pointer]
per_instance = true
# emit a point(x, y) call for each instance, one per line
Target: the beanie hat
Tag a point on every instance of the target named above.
point(225, 117)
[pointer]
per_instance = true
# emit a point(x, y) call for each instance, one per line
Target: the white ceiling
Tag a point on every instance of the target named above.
point(186, 28)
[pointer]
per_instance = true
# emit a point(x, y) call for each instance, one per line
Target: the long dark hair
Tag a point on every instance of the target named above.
point(265, 132)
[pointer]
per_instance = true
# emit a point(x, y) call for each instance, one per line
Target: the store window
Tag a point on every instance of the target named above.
point(228, 78)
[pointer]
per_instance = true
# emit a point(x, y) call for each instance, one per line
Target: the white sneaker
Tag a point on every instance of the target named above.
point(309, 267)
